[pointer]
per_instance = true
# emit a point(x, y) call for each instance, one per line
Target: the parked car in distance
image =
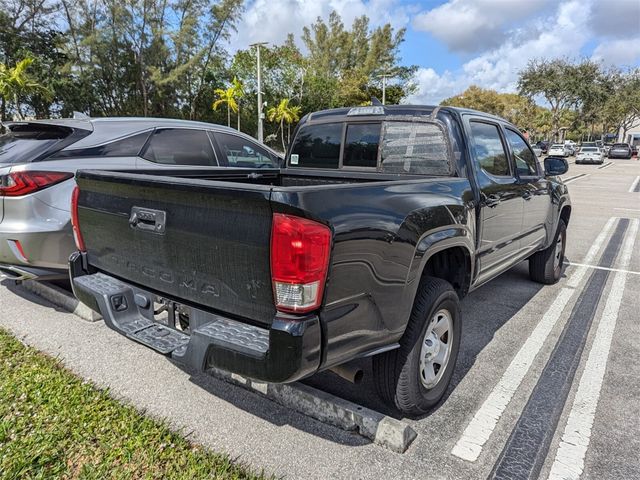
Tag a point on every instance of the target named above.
point(543, 145)
point(38, 160)
point(382, 219)
point(559, 150)
point(606, 147)
point(590, 155)
point(634, 150)
point(620, 150)
point(571, 146)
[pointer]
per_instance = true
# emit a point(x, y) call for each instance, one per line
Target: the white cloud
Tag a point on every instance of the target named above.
point(498, 68)
point(618, 52)
point(271, 20)
point(615, 18)
point(475, 25)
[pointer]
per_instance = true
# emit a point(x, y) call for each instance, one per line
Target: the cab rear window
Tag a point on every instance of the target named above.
point(396, 146)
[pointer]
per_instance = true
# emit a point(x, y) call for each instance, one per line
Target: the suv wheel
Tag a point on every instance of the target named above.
point(414, 377)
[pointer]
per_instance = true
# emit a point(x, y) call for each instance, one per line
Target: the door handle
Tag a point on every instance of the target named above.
point(492, 200)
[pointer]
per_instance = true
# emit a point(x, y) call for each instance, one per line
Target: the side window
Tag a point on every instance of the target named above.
point(126, 147)
point(317, 146)
point(525, 160)
point(489, 151)
point(240, 152)
point(361, 147)
point(177, 146)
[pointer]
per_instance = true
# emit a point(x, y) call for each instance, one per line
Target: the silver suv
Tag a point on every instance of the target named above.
point(38, 160)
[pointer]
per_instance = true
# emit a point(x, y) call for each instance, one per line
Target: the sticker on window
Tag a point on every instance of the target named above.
point(294, 159)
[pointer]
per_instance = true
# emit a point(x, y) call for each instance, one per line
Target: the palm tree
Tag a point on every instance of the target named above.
point(284, 113)
point(238, 90)
point(15, 82)
point(226, 96)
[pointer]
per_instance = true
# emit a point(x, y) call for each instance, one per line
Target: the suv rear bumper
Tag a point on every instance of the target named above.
point(288, 350)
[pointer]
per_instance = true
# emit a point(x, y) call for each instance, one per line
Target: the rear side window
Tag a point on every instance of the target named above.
point(361, 145)
point(240, 152)
point(488, 149)
point(524, 159)
point(177, 146)
point(126, 147)
point(24, 143)
point(317, 146)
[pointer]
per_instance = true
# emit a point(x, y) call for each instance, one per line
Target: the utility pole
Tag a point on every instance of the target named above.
point(260, 114)
point(384, 89)
point(386, 73)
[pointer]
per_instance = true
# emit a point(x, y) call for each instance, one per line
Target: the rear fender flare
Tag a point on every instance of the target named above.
point(430, 244)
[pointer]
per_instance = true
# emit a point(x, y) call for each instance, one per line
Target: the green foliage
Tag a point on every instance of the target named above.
point(284, 113)
point(54, 425)
point(15, 82)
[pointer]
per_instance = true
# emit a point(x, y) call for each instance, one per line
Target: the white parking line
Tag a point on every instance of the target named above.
point(470, 444)
point(569, 460)
point(627, 209)
point(634, 184)
point(596, 267)
point(606, 165)
point(481, 426)
point(577, 275)
point(578, 177)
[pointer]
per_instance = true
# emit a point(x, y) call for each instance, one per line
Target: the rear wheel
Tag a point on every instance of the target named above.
point(546, 266)
point(414, 377)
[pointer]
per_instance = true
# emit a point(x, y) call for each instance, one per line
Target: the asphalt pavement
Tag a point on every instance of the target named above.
point(547, 383)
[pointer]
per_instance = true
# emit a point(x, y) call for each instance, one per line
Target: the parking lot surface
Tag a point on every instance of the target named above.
point(547, 383)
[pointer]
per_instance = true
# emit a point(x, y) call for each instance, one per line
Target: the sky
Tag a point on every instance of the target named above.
point(458, 43)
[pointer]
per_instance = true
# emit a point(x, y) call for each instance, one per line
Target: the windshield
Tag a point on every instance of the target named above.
point(24, 143)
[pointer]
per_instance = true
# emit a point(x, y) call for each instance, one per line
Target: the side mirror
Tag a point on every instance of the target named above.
point(555, 166)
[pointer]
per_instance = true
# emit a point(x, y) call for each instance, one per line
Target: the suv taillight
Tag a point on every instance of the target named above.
point(300, 250)
point(17, 184)
point(75, 224)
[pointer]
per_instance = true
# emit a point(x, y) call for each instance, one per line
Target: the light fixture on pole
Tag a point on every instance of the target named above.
point(260, 114)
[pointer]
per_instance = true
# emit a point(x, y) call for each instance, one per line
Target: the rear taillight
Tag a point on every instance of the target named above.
point(75, 224)
point(17, 184)
point(300, 250)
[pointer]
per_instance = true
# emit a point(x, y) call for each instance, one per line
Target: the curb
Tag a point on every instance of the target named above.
point(62, 299)
point(324, 407)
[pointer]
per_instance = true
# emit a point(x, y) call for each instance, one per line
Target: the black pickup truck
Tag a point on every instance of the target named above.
point(363, 244)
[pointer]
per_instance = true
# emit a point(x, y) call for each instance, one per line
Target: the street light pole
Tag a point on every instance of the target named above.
point(384, 89)
point(260, 114)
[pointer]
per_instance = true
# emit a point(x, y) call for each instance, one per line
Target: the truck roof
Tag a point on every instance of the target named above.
point(341, 114)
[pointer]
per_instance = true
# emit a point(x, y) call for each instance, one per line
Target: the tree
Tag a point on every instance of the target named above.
point(622, 107)
point(226, 96)
point(15, 82)
point(562, 83)
point(284, 113)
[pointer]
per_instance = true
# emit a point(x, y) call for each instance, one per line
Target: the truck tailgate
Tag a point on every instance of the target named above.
point(200, 242)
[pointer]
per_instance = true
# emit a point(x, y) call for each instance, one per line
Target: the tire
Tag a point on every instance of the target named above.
point(398, 374)
point(545, 266)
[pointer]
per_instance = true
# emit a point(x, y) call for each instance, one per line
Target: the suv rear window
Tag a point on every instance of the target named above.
point(23, 143)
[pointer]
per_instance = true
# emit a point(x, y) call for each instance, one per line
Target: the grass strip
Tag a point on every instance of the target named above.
point(55, 425)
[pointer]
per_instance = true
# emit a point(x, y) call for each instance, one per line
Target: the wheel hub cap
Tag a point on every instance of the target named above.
point(436, 348)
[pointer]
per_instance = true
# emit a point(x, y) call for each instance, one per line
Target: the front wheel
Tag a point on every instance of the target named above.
point(415, 377)
point(546, 266)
